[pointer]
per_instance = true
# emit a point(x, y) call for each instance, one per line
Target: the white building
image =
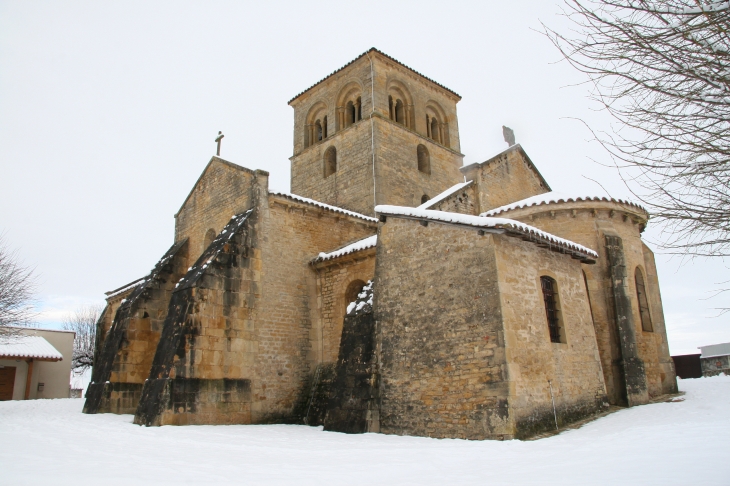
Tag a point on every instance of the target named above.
point(36, 364)
point(715, 359)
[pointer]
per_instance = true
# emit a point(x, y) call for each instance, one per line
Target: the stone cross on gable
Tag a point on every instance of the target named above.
point(218, 140)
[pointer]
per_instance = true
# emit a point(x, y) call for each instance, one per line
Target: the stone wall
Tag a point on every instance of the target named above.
point(572, 368)
point(505, 178)
point(440, 337)
point(351, 186)
point(398, 180)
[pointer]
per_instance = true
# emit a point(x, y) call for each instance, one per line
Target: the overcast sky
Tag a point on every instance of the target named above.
point(108, 111)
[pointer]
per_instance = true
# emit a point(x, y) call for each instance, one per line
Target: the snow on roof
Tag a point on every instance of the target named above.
point(715, 350)
point(26, 347)
point(448, 192)
point(323, 205)
point(125, 288)
point(509, 226)
point(359, 245)
point(556, 198)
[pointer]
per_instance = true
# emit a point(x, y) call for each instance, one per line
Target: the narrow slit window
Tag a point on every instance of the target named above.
point(646, 323)
point(552, 310)
point(330, 162)
point(424, 159)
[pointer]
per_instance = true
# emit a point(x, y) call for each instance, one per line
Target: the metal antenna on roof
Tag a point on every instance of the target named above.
point(509, 135)
point(218, 141)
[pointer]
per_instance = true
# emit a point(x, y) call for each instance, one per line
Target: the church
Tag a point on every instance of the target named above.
point(394, 290)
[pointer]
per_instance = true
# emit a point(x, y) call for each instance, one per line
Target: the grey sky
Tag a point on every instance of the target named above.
point(108, 112)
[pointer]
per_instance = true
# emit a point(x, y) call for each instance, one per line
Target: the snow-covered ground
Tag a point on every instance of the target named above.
point(52, 442)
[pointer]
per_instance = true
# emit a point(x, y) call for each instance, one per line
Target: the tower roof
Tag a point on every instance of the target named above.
point(373, 49)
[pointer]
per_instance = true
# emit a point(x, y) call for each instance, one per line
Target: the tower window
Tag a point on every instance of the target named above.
point(646, 324)
point(350, 113)
point(552, 309)
point(424, 199)
point(318, 131)
point(424, 159)
point(330, 162)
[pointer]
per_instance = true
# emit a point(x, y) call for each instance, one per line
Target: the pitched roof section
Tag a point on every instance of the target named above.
point(306, 200)
point(359, 245)
point(516, 146)
point(28, 347)
point(448, 192)
point(372, 49)
point(510, 227)
point(556, 198)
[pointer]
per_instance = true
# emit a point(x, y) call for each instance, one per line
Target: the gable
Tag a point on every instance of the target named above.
point(505, 178)
point(222, 190)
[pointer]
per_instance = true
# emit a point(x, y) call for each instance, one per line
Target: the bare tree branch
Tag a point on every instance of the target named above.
point(662, 70)
point(83, 323)
point(17, 287)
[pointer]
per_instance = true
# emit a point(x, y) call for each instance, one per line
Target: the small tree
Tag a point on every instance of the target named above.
point(17, 286)
point(662, 70)
point(83, 323)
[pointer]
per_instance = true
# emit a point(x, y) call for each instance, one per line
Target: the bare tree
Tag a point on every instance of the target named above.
point(17, 287)
point(662, 70)
point(83, 323)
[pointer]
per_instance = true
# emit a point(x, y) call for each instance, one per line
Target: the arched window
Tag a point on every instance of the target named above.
point(424, 159)
point(350, 113)
point(315, 127)
point(208, 239)
point(552, 309)
point(318, 131)
point(358, 105)
point(330, 162)
point(399, 112)
point(424, 199)
point(646, 324)
point(435, 132)
point(353, 289)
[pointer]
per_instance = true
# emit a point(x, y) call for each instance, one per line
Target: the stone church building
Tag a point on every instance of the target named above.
point(395, 290)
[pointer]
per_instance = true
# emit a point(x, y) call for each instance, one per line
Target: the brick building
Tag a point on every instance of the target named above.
point(496, 307)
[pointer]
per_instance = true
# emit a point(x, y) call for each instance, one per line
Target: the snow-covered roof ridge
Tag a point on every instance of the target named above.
point(509, 226)
point(554, 197)
point(448, 192)
point(124, 288)
point(323, 205)
point(359, 245)
point(28, 347)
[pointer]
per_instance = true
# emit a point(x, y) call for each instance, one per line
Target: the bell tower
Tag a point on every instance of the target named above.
point(375, 132)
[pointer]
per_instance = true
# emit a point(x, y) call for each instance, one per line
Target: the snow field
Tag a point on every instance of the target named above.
point(52, 442)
